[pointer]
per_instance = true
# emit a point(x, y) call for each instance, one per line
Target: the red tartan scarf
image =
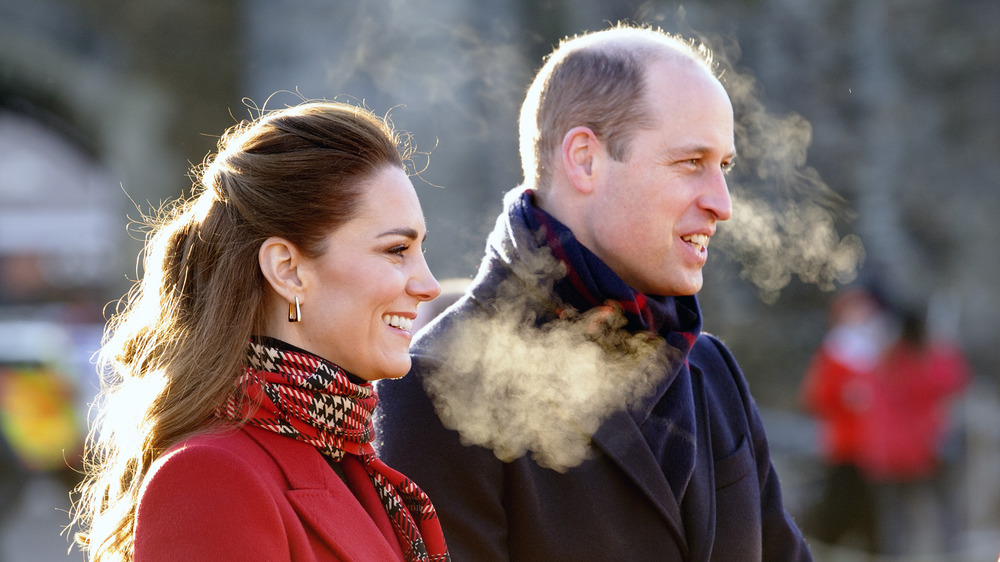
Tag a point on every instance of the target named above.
point(307, 398)
point(590, 283)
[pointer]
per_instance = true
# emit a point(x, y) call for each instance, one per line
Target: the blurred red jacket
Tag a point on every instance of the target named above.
point(908, 419)
point(838, 394)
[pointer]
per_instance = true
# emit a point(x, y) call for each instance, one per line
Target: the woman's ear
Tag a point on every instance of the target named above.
point(581, 156)
point(279, 262)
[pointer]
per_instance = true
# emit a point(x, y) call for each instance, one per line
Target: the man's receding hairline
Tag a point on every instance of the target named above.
point(646, 43)
point(648, 49)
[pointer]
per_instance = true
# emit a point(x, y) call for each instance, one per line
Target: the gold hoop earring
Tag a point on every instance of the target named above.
point(294, 312)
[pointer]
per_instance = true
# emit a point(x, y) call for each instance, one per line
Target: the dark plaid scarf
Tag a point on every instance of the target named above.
point(666, 419)
point(307, 398)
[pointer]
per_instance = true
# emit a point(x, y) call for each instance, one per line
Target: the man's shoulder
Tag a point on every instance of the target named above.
point(431, 351)
point(721, 377)
point(710, 352)
point(718, 366)
point(444, 346)
point(433, 340)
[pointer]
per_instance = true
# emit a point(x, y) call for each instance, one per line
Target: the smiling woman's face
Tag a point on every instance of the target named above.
point(361, 295)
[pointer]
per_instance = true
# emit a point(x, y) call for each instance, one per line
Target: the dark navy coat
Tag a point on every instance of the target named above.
point(617, 505)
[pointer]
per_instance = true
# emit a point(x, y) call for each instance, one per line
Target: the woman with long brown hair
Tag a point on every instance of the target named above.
point(236, 416)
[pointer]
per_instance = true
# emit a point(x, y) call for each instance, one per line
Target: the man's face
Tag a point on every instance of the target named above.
point(650, 217)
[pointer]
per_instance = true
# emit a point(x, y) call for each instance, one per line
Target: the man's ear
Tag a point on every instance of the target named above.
point(582, 156)
point(279, 262)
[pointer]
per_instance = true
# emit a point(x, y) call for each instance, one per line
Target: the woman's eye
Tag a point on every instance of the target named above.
point(399, 250)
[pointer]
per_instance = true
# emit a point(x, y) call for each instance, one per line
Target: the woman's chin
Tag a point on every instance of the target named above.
point(397, 370)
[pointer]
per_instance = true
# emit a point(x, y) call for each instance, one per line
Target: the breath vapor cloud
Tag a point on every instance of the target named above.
point(516, 386)
point(784, 215)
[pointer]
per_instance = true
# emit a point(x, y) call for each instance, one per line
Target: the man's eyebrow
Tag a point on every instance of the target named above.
point(699, 150)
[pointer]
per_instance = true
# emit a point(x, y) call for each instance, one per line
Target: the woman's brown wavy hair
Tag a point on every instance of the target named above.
point(173, 350)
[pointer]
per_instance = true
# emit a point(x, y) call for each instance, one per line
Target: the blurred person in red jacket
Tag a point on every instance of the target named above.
point(906, 427)
point(838, 390)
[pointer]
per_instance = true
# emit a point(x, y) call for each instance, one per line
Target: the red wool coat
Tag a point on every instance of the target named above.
point(251, 494)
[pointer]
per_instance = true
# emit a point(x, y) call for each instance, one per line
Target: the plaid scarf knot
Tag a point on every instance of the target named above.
point(309, 399)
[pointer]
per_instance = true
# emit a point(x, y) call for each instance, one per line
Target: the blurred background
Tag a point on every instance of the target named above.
point(869, 142)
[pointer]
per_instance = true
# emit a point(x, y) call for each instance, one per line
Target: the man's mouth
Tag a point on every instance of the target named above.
point(699, 241)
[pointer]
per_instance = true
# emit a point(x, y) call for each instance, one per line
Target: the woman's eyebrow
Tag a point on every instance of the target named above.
point(401, 231)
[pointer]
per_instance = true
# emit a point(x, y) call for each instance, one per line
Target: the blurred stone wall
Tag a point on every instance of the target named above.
point(892, 105)
point(140, 87)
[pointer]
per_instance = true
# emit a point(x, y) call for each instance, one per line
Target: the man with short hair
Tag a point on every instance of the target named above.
point(569, 407)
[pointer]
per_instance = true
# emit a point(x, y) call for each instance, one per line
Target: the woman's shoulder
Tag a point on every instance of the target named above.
point(217, 490)
point(252, 446)
point(275, 460)
point(215, 441)
point(218, 451)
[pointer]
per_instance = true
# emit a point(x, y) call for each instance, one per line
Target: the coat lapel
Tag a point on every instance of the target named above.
point(699, 503)
point(345, 528)
point(619, 437)
point(324, 503)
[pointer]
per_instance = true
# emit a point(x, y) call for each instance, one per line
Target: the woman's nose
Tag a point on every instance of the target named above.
point(423, 285)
